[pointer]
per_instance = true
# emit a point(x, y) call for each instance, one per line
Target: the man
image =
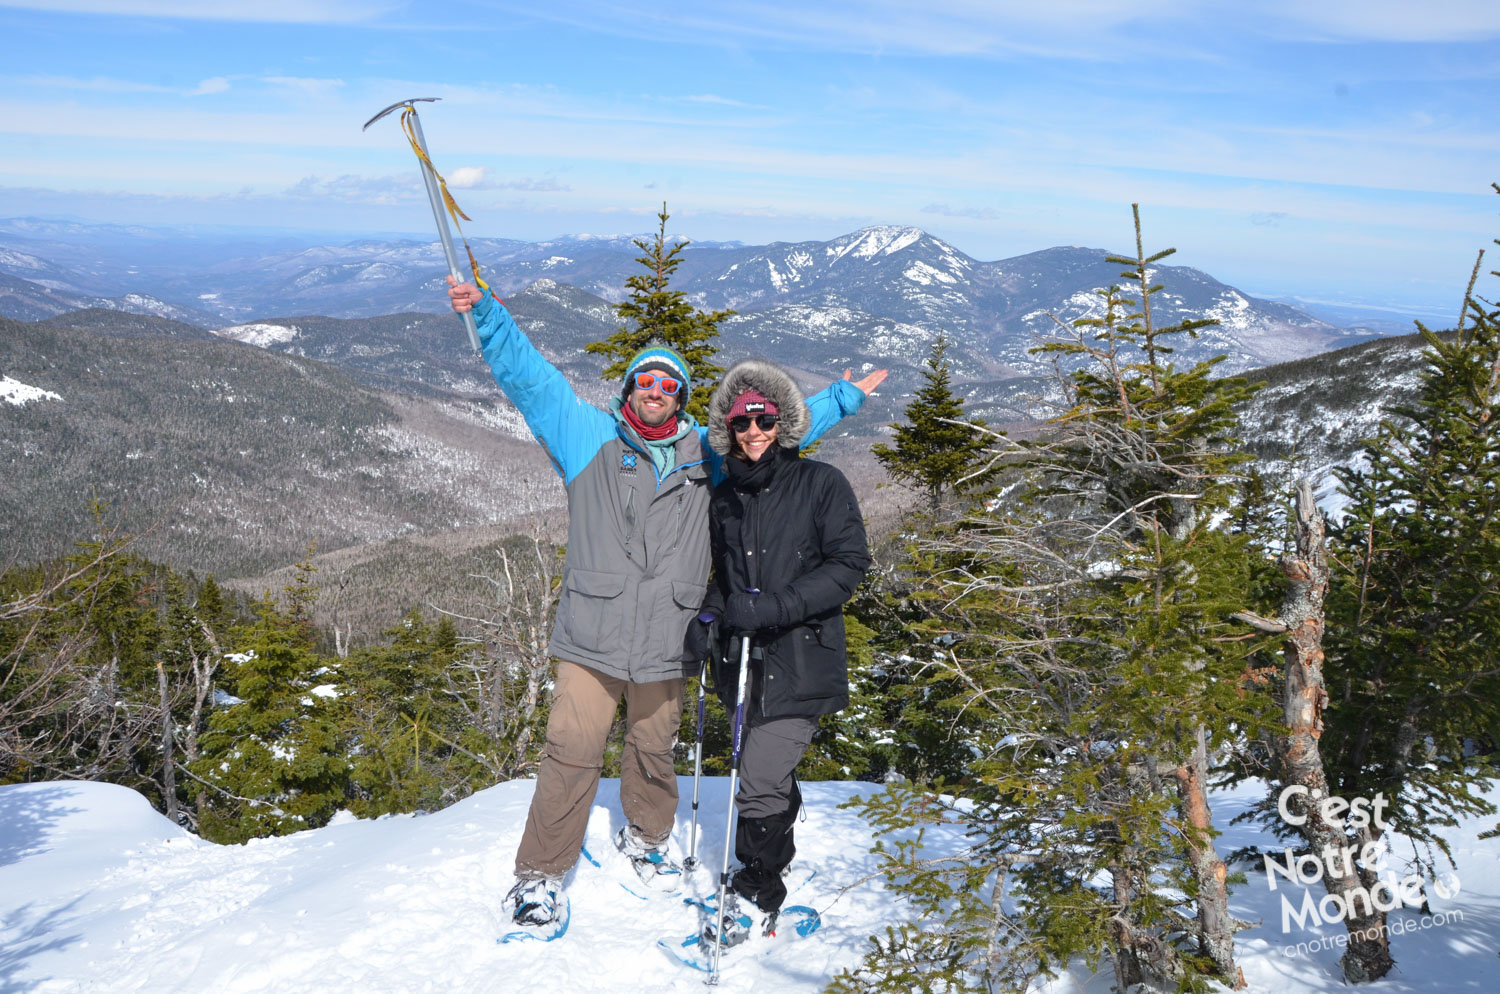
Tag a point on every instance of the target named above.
point(638, 477)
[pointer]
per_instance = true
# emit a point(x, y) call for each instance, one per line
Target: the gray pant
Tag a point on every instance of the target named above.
point(769, 755)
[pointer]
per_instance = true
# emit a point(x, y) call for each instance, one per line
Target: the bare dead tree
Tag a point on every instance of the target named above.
point(60, 713)
point(205, 665)
point(501, 681)
point(168, 760)
point(341, 636)
point(1301, 620)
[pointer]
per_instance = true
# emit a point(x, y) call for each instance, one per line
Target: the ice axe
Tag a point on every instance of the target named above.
point(442, 201)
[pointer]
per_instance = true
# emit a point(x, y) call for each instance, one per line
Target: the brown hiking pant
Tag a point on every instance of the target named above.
point(583, 708)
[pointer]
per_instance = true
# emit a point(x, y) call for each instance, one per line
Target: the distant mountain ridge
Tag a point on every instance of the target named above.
point(26, 300)
point(895, 280)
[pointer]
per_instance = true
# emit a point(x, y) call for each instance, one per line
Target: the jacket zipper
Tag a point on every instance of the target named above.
point(752, 573)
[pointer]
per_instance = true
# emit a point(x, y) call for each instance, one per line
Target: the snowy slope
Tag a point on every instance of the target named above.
point(98, 893)
point(16, 393)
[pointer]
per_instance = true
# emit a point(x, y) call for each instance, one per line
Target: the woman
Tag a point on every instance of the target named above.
point(789, 549)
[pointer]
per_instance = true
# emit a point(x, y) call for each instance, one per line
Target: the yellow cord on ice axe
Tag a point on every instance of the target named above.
point(453, 209)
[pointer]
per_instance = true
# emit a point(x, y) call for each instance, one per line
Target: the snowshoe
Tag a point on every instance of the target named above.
point(650, 864)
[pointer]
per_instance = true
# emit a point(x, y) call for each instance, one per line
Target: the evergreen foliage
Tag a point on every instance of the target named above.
point(241, 724)
point(409, 731)
point(937, 450)
point(656, 314)
point(859, 742)
point(1414, 613)
point(1073, 639)
point(274, 760)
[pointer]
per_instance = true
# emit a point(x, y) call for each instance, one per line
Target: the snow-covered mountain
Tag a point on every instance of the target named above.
point(912, 284)
point(1314, 413)
point(27, 300)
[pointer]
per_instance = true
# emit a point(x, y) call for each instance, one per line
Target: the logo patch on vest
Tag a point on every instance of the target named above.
point(627, 462)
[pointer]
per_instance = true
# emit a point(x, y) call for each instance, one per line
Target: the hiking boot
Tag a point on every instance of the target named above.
point(650, 863)
point(534, 900)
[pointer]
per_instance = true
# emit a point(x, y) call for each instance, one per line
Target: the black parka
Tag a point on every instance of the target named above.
point(794, 532)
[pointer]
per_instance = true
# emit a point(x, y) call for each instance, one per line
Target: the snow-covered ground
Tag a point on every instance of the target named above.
point(99, 893)
point(16, 393)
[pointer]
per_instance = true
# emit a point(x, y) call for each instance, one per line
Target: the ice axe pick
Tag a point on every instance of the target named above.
point(437, 193)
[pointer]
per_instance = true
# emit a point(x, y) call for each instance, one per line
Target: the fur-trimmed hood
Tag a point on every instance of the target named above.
point(778, 387)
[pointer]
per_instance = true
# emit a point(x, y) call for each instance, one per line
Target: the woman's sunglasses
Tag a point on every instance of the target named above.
point(740, 425)
point(667, 384)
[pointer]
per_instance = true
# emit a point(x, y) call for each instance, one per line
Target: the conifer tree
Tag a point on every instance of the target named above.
point(937, 450)
point(76, 639)
point(211, 607)
point(273, 760)
point(1077, 651)
point(655, 313)
point(1414, 616)
point(407, 731)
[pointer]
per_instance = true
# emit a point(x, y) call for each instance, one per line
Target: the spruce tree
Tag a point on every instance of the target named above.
point(1414, 615)
point(406, 730)
point(1074, 637)
point(937, 451)
point(656, 314)
point(274, 760)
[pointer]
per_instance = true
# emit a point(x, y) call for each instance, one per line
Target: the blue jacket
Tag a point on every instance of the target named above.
point(638, 544)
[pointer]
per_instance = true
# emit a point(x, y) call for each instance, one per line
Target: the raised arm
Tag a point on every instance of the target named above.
point(570, 430)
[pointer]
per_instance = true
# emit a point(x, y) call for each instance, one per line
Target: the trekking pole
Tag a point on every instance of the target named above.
point(691, 863)
point(734, 776)
point(438, 196)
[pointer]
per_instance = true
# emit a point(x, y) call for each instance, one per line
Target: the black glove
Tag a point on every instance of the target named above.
point(747, 612)
point(702, 640)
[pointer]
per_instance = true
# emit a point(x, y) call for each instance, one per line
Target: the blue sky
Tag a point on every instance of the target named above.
point(1337, 150)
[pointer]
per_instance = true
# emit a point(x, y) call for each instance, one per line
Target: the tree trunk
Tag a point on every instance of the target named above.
point(1368, 956)
point(1128, 972)
point(168, 760)
point(536, 672)
point(1215, 924)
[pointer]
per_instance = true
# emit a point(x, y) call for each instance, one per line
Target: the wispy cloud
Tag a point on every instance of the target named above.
point(214, 84)
point(304, 86)
point(976, 213)
point(353, 188)
point(93, 84)
point(1381, 20)
point(374, 190)
point(108, 84)
point(711, 98)
point(275, 11)
point(1066, 28)
point(483, 178)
